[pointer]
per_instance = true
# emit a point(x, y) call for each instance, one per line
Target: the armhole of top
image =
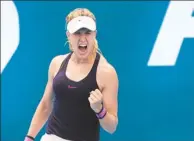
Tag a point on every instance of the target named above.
point(63, 63)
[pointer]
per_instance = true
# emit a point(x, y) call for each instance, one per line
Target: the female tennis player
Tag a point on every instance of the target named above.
point(82, 88)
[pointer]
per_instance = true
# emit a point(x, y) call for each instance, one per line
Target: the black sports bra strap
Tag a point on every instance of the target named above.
point(95, 65)
point(65, 61)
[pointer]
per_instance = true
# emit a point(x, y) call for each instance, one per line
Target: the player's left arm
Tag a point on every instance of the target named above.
point(109, 97)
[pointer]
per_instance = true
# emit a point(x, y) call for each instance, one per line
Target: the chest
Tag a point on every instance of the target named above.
point(70, 91)
point(78, 72)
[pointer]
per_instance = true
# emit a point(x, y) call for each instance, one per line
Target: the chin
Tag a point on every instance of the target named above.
point(83, 55)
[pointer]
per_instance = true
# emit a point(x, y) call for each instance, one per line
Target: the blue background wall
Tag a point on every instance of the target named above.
point(155, 103)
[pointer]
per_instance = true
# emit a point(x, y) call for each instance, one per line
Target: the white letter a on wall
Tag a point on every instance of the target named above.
point(178, 24)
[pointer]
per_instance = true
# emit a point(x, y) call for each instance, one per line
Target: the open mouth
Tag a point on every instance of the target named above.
point(82, 47)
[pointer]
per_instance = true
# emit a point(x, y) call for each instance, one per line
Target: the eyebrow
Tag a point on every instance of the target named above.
point(79, 32)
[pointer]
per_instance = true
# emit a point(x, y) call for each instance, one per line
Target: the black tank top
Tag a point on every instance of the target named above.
point(72, 117)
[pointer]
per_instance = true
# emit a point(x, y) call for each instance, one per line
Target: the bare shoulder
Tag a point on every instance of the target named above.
point(105, 68)
point(106, 73)
point(58, 59)
point(56, 63)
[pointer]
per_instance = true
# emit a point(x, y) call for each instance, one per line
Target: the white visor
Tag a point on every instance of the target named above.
point(81, 22)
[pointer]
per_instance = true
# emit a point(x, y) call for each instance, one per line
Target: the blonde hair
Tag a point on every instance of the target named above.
point(82, 12)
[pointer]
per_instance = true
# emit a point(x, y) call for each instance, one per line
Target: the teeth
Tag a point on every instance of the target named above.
point(82, 45)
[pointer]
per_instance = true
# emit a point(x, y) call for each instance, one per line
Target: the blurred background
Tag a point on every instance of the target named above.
point(155, 103)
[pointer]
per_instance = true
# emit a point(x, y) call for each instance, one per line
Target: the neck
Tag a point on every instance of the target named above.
point(78, 60)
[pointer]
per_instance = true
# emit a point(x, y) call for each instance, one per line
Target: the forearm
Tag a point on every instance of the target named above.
point(109, 123)
point(39, 119)
point(107, 115)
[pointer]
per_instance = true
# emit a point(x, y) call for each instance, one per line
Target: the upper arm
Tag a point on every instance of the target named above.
point(48, 92)
point(54, 66)
point(110, 89)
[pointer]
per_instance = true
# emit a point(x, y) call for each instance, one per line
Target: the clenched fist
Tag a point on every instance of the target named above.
point(95, 100)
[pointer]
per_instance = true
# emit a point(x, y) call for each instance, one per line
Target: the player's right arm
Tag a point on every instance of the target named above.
point(44, 107)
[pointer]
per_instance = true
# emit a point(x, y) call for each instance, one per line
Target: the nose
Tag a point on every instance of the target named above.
point(82, 37)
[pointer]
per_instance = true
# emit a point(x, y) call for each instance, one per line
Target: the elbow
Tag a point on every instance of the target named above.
point(111, 131)
point(113, 128)
point(46, 111)
point(45, 107)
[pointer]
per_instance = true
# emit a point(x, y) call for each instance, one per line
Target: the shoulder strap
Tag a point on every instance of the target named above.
point(95, 65)
point(65, 61)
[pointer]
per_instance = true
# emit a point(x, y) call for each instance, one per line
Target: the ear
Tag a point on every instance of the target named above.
point(67, 34)
point(95, 33)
